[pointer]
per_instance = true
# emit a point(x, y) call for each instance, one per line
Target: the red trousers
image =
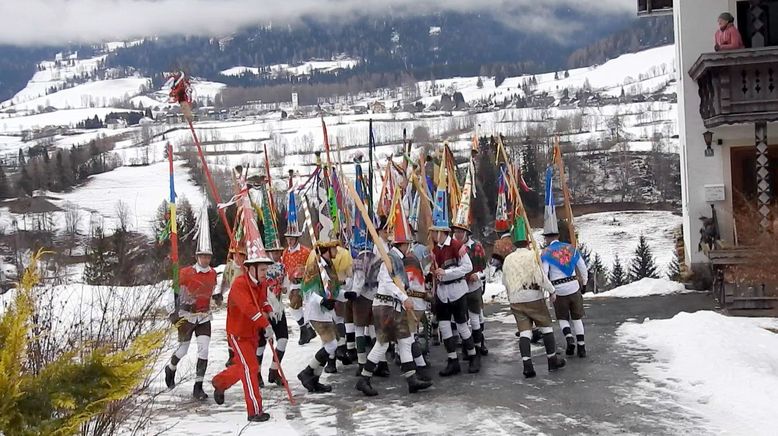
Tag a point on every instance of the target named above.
point(244, 368)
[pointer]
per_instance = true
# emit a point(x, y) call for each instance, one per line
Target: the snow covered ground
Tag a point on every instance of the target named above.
point(296, 70)
point(103, 93)
point(644, 288)
point(723, 368)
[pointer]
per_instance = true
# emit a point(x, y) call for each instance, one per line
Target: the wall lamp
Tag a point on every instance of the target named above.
point(708, 137)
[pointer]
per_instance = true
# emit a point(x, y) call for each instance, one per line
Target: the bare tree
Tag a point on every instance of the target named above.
point(123, 215)
point(72, 221)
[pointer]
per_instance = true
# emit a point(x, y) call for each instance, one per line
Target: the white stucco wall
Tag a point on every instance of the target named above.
point(695, 25)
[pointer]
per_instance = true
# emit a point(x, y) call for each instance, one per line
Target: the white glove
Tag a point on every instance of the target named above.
point(270, 335)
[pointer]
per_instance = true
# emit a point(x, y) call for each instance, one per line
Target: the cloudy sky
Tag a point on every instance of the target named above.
point(56, 22)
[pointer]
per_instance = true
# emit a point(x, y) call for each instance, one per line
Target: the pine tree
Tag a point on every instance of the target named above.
point(674, 269)
point(643, 265)
point(618, 276)
point(567, 74)
point(5, 189)
point(99, 268)
point(21, 159)
point(600, 272)
point(556, 75)
point(479, 83)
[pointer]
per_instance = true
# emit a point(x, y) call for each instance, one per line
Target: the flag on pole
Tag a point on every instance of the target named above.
point(550, 226)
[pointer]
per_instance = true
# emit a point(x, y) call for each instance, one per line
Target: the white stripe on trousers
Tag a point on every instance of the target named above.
point(257, 409)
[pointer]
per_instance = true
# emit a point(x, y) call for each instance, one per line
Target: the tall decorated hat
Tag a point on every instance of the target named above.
point(440, 221)
point(550, 226)
point(255, 249)
point(502, 221)
point(269, 226)
point(359, 239)
point(203, 232)
point(519, 230)
point(462, 218)
point(292, 225)
point(400, 232)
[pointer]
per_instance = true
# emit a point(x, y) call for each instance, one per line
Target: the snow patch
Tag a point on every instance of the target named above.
point(644, 288)
point(724, 368)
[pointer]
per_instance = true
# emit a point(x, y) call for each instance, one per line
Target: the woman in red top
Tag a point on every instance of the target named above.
point(727, 36)
point(247, 315)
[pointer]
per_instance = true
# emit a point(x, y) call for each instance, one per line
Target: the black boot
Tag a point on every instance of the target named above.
point(529, 369)
point(331, 367)
point(198, 392)
point(452, 368)
point(170, 377)
point(273, 377)
point(352, 355)
point(581, 350)
point(306, 377)
point(556, 362)
point(262, 417)
point(319, 388)
point(382, 370)
point(342, 355)
point(415, 384)
point(364, 386)
point(570, 350)
point(475, 364)
point(218, 396)
point(423, 373)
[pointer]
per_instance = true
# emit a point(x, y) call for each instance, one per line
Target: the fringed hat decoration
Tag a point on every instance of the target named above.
point(255, 249)
point(550, 225)
point(359, 240)
point(269, 226)
point(400, 229)
point(462, 218)
point(292, 225)
point(502, 220)
point(204, 232)
point(440, 221)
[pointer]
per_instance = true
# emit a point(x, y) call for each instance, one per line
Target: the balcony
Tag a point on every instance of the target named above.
point(738, 86)
point(654, 7)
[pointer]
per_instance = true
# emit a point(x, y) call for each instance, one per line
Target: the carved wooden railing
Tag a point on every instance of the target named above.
point(737, 86)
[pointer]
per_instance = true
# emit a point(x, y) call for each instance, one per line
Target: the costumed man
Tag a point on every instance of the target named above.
point(192, 308)
point(391, 309)
point(526, 283)
point(475, 251)
point(320, 290)
point(420, 297)
point(364, 284)
point(344, 268)
point(372, 281)
point(450, 266)
point(564, 265)
point(276, 278)
point(247, 314)
point(293, 259)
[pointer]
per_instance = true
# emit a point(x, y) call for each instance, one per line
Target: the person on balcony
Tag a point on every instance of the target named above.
point(727, 37)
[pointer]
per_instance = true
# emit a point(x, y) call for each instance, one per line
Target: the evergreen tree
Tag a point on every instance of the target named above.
point(674, 269)
point(643, 265)
point(618, 276)
point(24, 184)
point(556, 75)
point(21, 159)
point(567, 74)
point(479, 83)
point(99, 268)
point(600, 272)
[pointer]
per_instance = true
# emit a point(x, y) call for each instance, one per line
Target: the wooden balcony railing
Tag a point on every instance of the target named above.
point(737, 86)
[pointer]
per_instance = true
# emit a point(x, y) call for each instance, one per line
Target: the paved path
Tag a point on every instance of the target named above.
point(598, 395)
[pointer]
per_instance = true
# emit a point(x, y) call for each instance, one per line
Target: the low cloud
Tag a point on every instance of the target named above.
point(57, 22)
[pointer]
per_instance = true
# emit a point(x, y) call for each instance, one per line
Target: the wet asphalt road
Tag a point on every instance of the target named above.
point(601, 394)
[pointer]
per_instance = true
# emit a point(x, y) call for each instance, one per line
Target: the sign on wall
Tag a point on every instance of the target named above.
point(715, 193)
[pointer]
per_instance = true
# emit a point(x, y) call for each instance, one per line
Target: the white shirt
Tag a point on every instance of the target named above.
point(386, 285)
point(569, 288)
point(454, 291)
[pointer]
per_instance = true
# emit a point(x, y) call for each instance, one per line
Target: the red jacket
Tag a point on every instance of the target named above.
point(247, 308)
point(196, 289)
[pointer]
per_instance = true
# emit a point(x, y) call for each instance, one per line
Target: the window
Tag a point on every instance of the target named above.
point(746, 27)
point(655, 7)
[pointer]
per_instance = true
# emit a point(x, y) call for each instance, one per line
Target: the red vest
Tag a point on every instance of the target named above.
point(447, 256)
point(196, 289)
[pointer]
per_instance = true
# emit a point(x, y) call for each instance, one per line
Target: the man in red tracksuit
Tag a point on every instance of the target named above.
point(247, 314)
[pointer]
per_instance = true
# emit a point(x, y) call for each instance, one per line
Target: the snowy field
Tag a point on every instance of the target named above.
point(723, 368)
point(643, 288)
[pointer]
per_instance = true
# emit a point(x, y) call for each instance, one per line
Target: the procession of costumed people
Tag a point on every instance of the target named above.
point(376, 270)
